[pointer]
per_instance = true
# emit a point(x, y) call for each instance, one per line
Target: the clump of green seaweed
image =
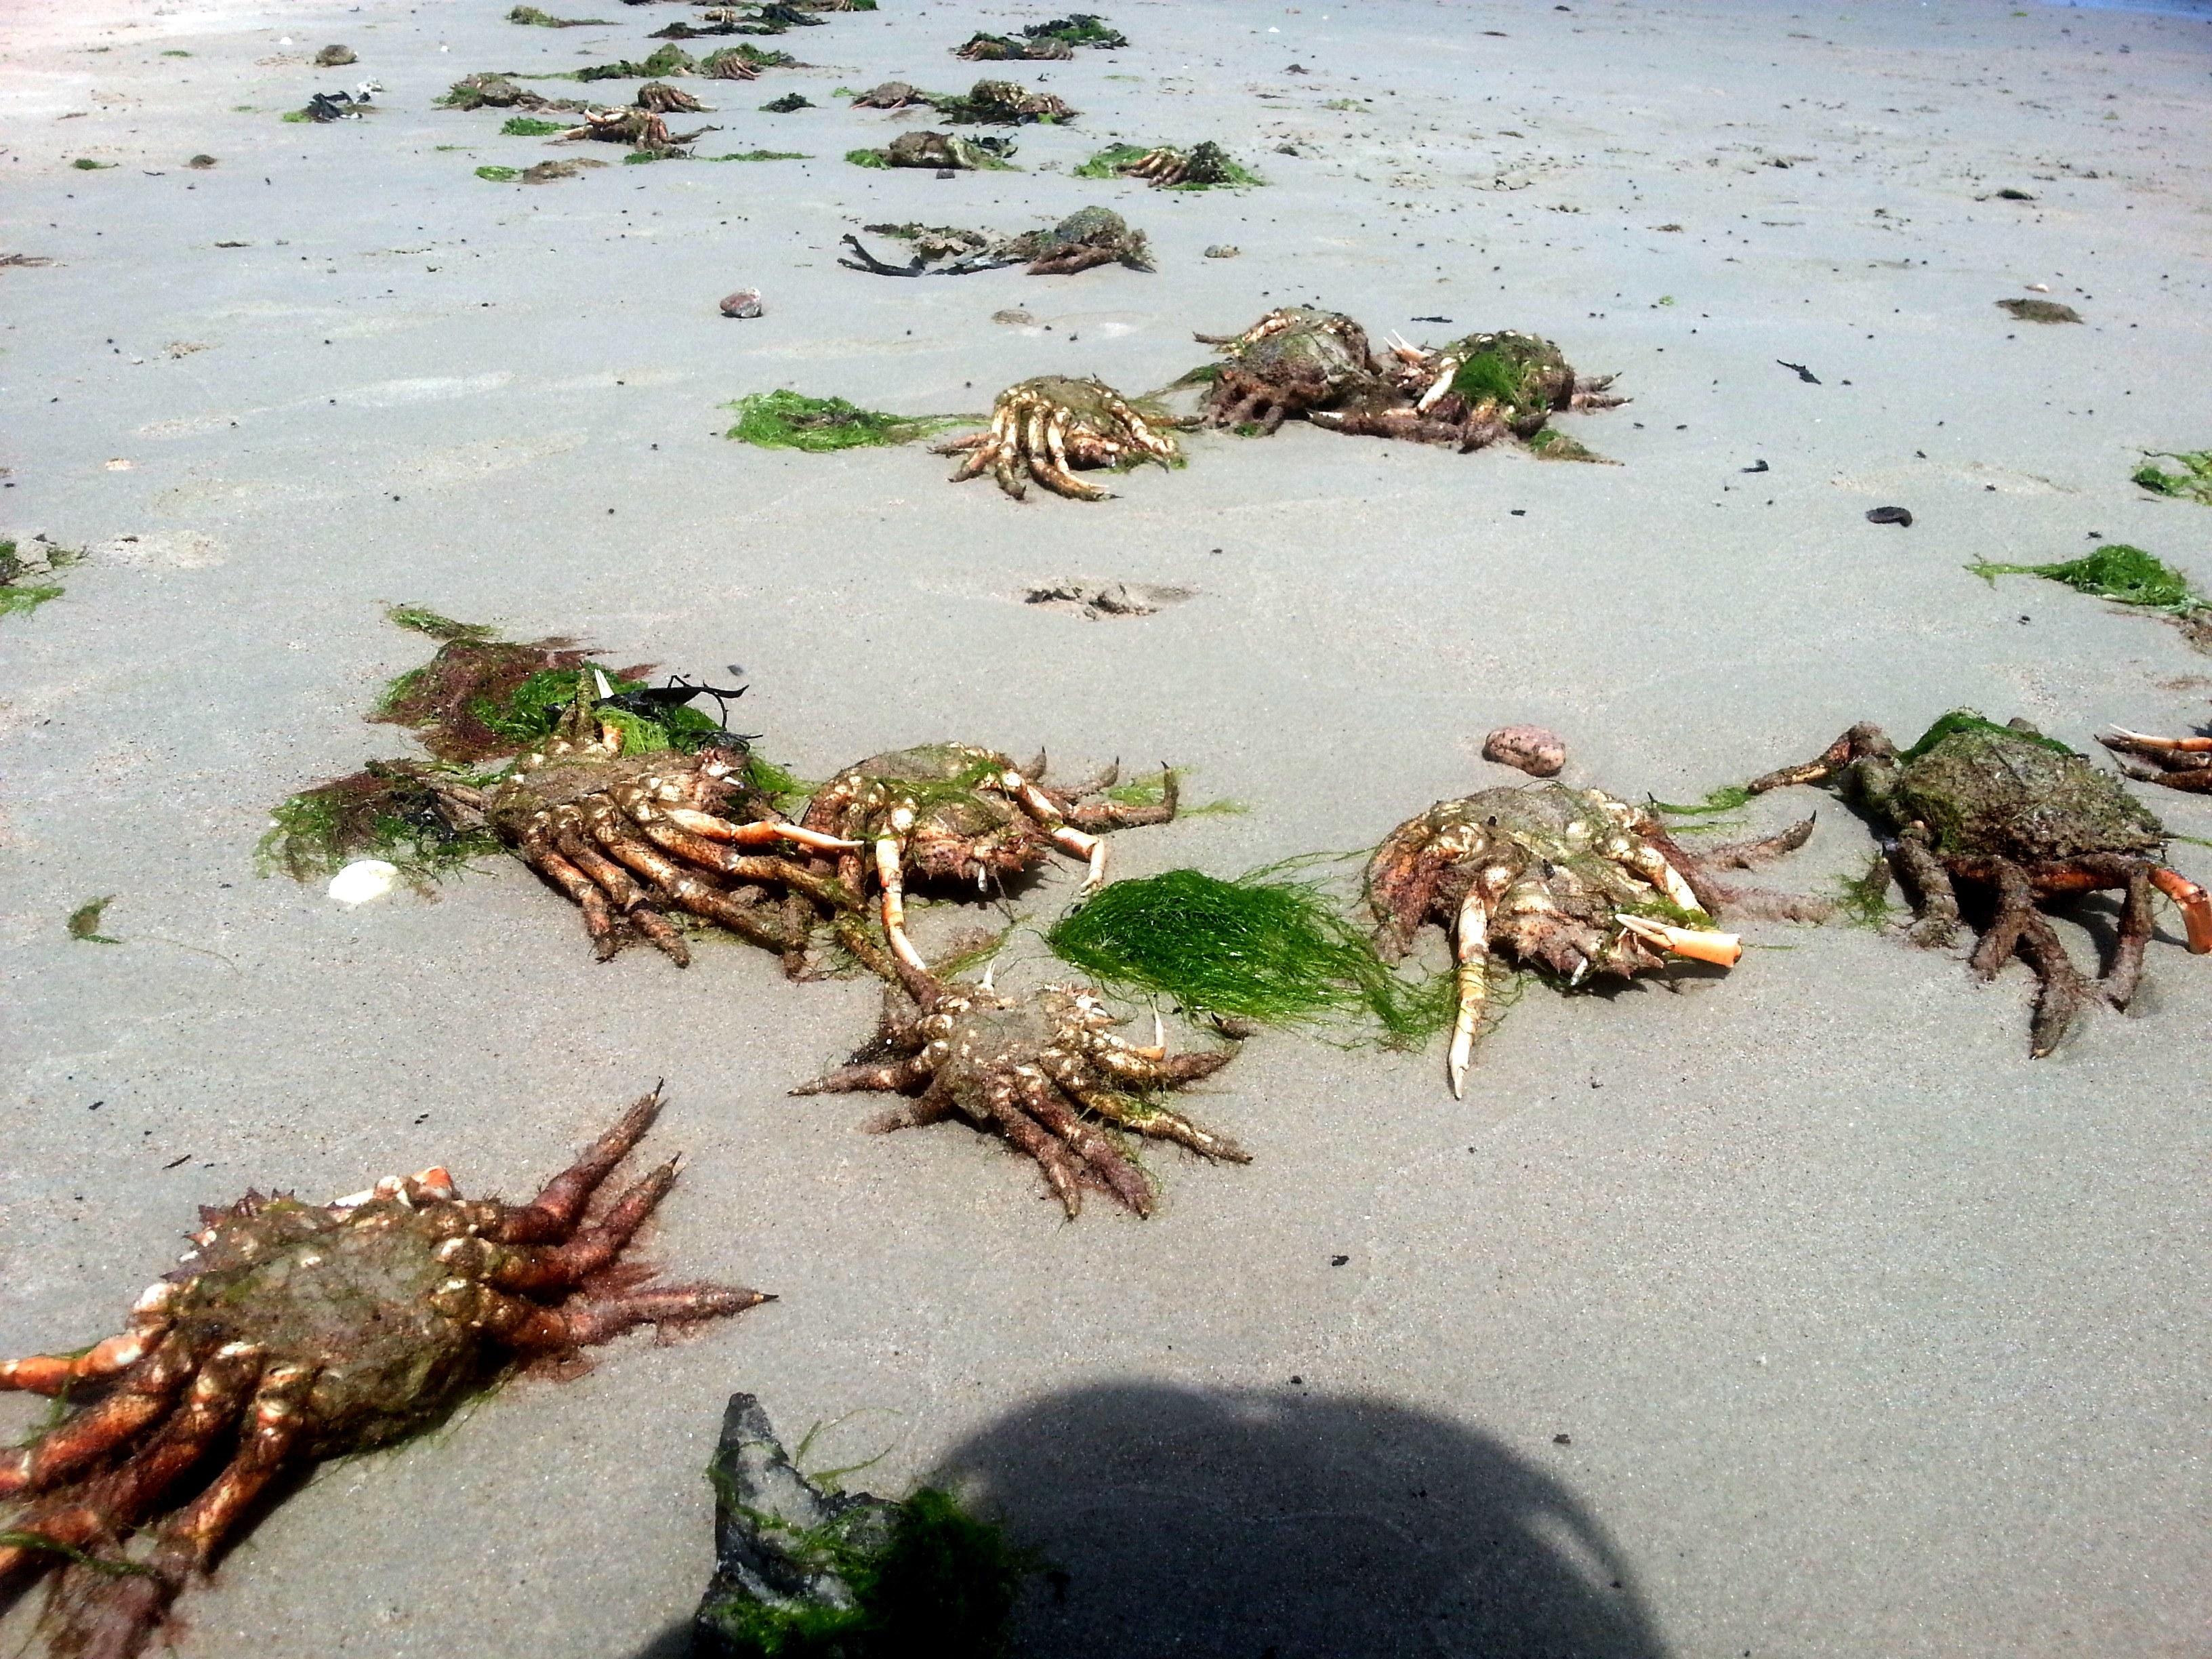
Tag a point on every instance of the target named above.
point(480, 699)
point(1260, 948)
point(805, 1572)
point(2125, 576)
point(83, 923)
point(1082, 28)
point(529, 126)
point(1209, 166)
point(2193, 482)
point(531, 15)
point(792, 420)
point(1862, 901)
point(21, 590)
point(670, 59)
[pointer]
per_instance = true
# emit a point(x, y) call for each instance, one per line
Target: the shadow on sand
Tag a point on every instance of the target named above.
point(1286, 1525)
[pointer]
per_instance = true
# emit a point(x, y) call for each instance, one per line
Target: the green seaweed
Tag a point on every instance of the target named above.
point(2193, 482)
point(760, 155)
point(1863, 900)
point(529, 126)
point(943, 1581)
point(420, 619)
point(670, 59)
point(2115, 571)
point(84, 921)
point(500, 175)
point(867, 158)
point(1082, 28)
point(1966, 719)
point(388, 810)
point(1260, 948)
point(751, 56)
point(18, 597)
point(791, 420)
point(1726, 799)
point(546, 20)
point(86, 164)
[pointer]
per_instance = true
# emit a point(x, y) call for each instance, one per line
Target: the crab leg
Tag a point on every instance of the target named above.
point(1039, 805)
point(1651, 864)
point(599, 920)
point(2196, 907)
point(640, 911)
point(142, 1397)
point(1471, 948)
point(51, 1373)
point(1723, 949)
point(2142, 743)
point(752, 835)
point(1441, 384)
point(1044, 1103)
point(890, 875)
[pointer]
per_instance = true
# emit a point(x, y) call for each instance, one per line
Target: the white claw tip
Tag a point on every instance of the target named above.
point(362, 880)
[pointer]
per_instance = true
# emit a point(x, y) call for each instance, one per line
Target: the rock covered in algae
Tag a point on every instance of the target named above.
point(804, 1571)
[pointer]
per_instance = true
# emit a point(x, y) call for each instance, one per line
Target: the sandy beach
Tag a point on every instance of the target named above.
point(1794, 1312)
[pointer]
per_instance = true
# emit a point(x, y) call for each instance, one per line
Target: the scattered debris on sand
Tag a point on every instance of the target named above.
point(2040, 310)
point(1078, 596)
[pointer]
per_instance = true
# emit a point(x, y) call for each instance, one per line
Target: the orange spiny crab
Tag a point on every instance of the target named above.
point(1039, 1072)
point(1570, 881)
point(1051, 425)
point(292, 1333)
point(624, 836)
point(952, 813)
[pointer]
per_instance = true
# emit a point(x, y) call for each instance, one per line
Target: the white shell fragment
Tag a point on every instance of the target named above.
point(364, 879)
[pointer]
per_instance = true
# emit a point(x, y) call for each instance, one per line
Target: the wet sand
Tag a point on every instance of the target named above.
point(1795, 1313)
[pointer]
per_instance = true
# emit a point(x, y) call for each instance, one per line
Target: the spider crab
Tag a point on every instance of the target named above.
point(628, 836)
point(1291, 362)
point(1038, 1071)
point(1570, 881)
point(950, 811)
point(1166, 167)
point(2006, 808)
point(1048, 426)
point(1476, 392)
point(292, 1333)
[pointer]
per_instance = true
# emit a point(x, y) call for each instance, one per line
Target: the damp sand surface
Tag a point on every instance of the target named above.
point(1794, 1312)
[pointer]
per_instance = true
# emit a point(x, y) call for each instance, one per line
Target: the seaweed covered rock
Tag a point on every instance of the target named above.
point(804, 1571)
point(983, 48)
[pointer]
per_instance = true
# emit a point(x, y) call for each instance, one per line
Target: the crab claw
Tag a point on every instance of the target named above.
point(1723, 949)
point(2196, 907)
point(2143, 743)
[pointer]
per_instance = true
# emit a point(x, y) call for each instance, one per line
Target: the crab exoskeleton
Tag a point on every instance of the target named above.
point(2005, 808)
point(948, 811)
point(292, 1333)
point(1291, 362)
point(1482, 390)
point(1045, 1073)
point(629, 837)
point(1569, 881)
point(1166, 167)
point(1048, 428)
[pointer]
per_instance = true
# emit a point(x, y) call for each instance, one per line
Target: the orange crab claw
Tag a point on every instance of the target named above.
point(1721, 949)
point(2196, 907)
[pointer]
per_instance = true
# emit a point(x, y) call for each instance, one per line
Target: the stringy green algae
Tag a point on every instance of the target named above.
point(791, 420)
point(1258, 948)
point(18, 597)
point(2193, 482)
point(2115, 571)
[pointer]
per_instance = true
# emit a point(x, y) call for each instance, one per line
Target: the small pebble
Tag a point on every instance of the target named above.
point(1896, 515)
point(362, 880)
point(202, 162)
point(746, 302)
point(1530, 748)
point(1223, 251)
point(331, 57)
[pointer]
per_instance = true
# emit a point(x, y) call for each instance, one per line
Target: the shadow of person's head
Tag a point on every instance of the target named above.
point(1176, 1520)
